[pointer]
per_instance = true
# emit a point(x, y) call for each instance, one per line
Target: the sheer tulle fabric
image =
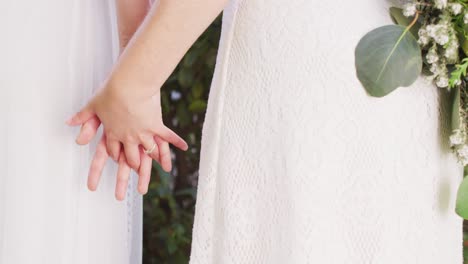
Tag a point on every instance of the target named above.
point(54, 54)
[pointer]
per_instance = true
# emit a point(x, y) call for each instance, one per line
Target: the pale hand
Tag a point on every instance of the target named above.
point(133, 123)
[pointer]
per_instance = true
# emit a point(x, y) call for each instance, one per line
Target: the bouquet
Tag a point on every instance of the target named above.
point(430, 37)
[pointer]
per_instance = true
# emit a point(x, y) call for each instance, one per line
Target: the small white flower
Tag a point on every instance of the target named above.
point(409, 9)
point(463, 152)
point(434, 69)
point(439, 32)
point(464, 161)
point(430, 30)
point(442, 81)
point(423, 40)
point(439, 68)
point(429, 79)
point(451, 53)
point(456, 8)
point(440, 4)
point(441, 39)
point(423, 37)
point(432, 56)
point(465, 18)
point(456, 138)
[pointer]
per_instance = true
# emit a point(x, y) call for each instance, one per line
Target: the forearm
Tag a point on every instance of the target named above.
point(130, 15)
point(160, 43)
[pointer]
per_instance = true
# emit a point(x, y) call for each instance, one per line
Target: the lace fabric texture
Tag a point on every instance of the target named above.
point(300, 165)
point(54, 55)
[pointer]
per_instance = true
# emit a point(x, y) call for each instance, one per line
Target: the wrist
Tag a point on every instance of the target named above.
point(128, 90)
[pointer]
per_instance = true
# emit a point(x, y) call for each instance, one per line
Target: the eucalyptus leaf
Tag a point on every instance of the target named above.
point(462, 199)
point(398, 18)
point(387, 58)
point(399, 3)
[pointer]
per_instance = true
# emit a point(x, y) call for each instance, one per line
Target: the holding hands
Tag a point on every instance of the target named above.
point(129, 104)
point(134, 134)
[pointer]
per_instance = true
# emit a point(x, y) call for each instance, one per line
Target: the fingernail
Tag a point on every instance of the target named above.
point(142, 190)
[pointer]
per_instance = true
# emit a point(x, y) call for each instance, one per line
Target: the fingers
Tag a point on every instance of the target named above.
point(113, 148)
point(171, 137)
point(151, 145)
point(97, 165)
point(164, 153)
point(123, 175)
point(81, 117)
point(88, 131)
point(144, 172)
point(132, 154)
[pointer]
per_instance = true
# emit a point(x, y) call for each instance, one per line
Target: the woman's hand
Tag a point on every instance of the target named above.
point(129, 122)
point(162, 153)
point(123, 173)
point(129, 105)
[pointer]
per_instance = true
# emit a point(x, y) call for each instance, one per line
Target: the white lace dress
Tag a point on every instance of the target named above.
point(300, 165)
point(53, 54)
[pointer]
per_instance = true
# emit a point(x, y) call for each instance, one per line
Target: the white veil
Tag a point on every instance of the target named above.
point(54, 54)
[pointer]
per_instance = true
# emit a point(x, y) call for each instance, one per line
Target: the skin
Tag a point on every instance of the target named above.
point(128, 105)
point(130, 15)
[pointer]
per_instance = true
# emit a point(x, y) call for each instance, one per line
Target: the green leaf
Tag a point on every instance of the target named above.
point(191, 57)
point(462, 199)
point(398, 18)
point(463, 38)
point(455, 99)
point(465, 46)
point(459, 72)
point(465, 251)
point(387, 58)
point(165, 102)
point(185, 77)
point(171, 245)
point(186, 192)
point(197, 90)
point(165, 177)
point(183, 114)
point(198, 106)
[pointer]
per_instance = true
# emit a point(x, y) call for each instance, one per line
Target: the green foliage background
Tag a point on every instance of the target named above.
point(169, 204)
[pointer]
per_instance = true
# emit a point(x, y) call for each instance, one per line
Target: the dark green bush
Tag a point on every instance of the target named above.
point(169, 204)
